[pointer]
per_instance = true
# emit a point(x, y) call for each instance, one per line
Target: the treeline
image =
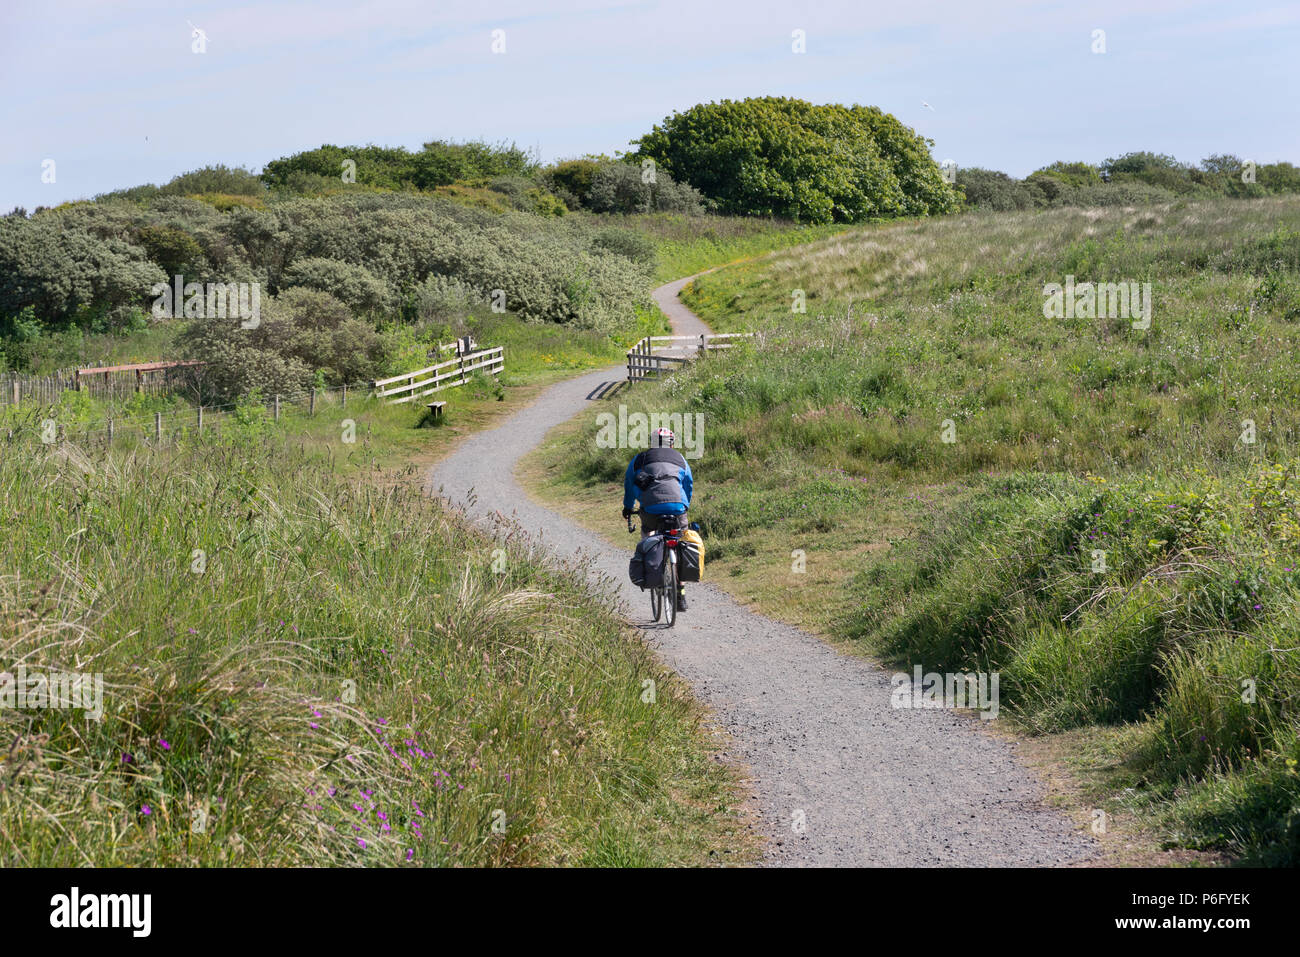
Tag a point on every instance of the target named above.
point(1132, 179)
point(497, 177)
point(332, 272)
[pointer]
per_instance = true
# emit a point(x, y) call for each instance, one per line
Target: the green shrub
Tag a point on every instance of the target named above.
point(574, 178)
point(215, 179)
point(989, 189)
point(174, 250)
point(624, 188)
point(629, 243)
point(350, 283)
point(299, 333)
point(438, 163)
point(60, 270)
point(774, 156)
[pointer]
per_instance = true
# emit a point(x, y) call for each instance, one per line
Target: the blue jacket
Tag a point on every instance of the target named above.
point(661, 480)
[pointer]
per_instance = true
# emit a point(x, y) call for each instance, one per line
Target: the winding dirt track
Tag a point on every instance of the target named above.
point(872, 784)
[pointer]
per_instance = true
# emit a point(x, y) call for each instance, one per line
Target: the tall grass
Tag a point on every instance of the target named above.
point(685, 245)
point(301, 670)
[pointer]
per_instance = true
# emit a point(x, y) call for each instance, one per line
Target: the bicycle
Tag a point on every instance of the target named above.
point(663, 598)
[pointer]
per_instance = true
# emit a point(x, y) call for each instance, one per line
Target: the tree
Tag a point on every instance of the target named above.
point(776, 156)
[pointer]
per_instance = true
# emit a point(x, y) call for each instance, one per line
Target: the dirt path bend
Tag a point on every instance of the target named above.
point(840, 776)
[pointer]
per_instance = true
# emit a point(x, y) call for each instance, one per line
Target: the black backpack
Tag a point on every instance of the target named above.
point(646, 569)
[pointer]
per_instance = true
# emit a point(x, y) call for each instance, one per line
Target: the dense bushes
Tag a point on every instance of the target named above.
point(93, 265)
point(604, 185)
point(300, 333)
point(990, 189)
point(55, 264)
point(350, 283)
point(623, 188)
point(438, 163)
point(626, 242)
point(1138, 178)
point(775, 156)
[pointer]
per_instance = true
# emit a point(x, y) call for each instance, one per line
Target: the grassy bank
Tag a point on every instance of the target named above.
point(922, 465)
point(300, 669)
point(685, 245)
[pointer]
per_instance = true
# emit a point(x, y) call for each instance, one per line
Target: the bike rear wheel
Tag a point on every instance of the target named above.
point(670, 593)
point(656, 602)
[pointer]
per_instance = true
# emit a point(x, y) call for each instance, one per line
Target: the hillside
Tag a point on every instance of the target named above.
point(1100, 508)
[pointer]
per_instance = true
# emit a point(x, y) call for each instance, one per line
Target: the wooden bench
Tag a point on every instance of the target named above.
point(435, 409)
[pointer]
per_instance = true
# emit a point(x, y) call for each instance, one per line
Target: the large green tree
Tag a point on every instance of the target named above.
point(776, 156)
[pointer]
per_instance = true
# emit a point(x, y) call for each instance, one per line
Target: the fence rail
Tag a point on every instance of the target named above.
point(444, 375)
point(110, 382)
point(644, 362)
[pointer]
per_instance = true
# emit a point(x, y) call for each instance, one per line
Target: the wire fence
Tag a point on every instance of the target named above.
point(41, 423)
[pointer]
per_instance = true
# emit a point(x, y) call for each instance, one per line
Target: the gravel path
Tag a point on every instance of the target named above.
point(872, 784)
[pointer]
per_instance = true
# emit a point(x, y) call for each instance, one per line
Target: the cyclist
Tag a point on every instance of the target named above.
point(661, 480)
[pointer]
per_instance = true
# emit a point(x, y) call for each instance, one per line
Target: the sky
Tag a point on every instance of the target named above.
point(115, 94)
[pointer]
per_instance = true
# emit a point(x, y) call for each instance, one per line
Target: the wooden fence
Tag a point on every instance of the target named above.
point(106, 382)
point(646, 359)
point(444, 375)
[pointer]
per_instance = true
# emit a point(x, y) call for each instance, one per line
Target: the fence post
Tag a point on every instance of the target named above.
point(702, 345)
point(200, 418)
point(110, 431)
point(311, 403)
point(157, 427)
point(277, 407)
point(18, 391)
point(345, 395)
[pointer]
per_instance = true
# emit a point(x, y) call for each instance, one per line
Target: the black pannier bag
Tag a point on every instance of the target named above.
point(690, 558)
point(646, 568)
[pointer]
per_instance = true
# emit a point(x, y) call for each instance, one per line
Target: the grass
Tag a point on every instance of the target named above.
point(685, 245)
point(1069, 436)
point(324, 672)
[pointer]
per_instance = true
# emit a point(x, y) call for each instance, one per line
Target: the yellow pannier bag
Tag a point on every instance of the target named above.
point(691, 557)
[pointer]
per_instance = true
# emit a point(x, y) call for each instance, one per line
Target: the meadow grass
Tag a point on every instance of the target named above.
point(685, 245)
point(303, 669)
point(947, 461)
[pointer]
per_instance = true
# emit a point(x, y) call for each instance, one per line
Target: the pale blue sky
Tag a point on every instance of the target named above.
point(112, 92)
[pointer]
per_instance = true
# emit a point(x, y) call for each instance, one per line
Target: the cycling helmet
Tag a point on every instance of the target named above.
point(664, 438)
